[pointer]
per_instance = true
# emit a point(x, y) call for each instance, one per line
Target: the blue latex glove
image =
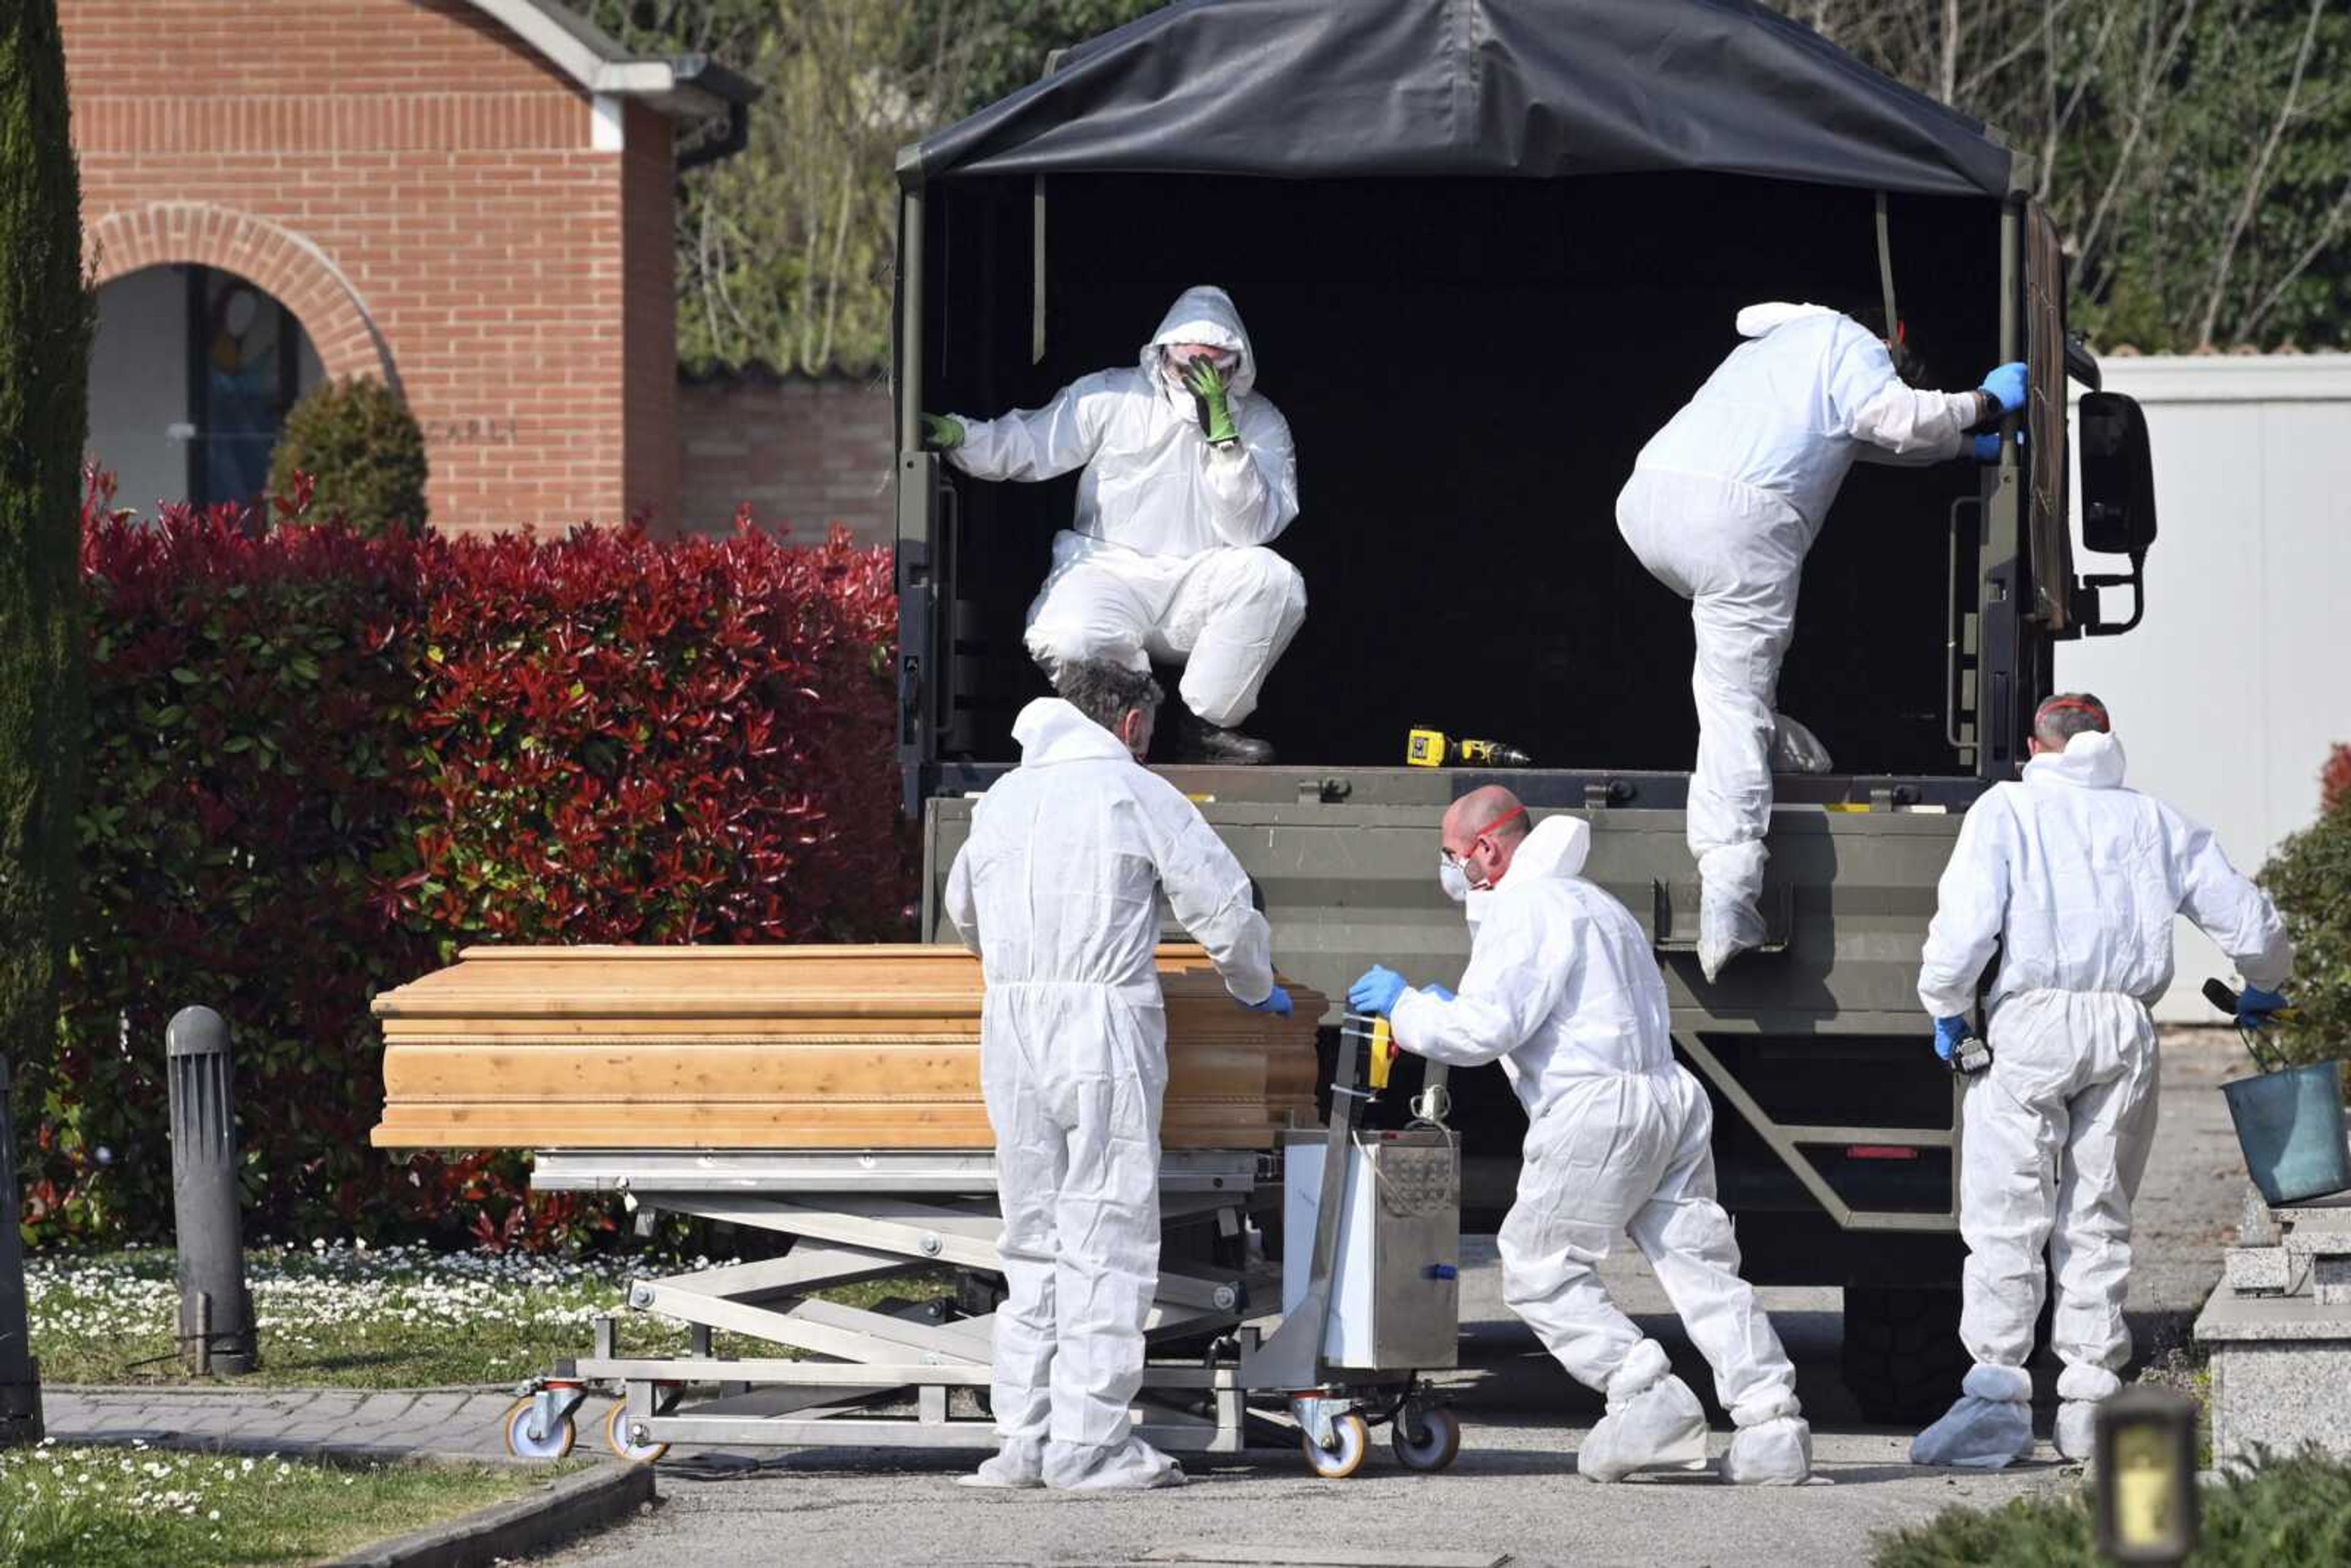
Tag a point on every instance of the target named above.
point(1442, 993)
point(1376, 992)
point(1988, 446)
point(2009, 384)
point(1277, 1002)
point(2255, 1005)
point(1949, 1032)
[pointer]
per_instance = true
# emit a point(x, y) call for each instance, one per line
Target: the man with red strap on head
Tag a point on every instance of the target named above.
point(2074, 881)
point(1561, 989)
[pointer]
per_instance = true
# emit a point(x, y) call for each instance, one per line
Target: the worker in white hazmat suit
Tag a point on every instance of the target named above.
point(1055, 890)
point(2074, 880)
point(1723, 505)
point(1189, 476)
point(1562, 990)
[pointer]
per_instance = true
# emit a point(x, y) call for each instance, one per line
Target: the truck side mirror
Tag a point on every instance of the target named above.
point(2117, 477)
point(2117, 506)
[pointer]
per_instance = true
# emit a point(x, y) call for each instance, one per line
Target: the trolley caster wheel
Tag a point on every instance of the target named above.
point(1352, 1441)
point(524, 1443)
point(616, 1438)
point(1440, 1442)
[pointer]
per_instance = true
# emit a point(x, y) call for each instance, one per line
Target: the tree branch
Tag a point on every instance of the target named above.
point(2256, 181)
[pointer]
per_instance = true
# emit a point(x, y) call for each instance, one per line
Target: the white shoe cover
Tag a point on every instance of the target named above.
point(1727, 926)
point(1660, 1427)
point(1132, 1466)
point(1020, 1463)
point(1795, 749)
point(1775, 1453)
point(2077, 1430)
point(1991, 1425)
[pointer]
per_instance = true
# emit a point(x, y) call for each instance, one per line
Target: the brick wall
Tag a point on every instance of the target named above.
point(809, 452)
point(421, 188)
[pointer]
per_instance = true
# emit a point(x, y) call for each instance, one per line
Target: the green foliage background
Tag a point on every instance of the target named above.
point(785, 250)
point(45, 330)
point(2285, 1511)
point(2310, 878)
point(363, 451)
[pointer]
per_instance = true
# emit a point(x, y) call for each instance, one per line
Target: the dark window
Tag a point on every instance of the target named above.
point(244, 373)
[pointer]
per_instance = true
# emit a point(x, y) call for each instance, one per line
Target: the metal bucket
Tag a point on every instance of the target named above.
point(2290, 1125)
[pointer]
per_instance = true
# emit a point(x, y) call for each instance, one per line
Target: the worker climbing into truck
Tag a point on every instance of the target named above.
point(1723, 505)
point(2074, 880)
point(1189, 478)
point(1057, 891)
point(1562, 990)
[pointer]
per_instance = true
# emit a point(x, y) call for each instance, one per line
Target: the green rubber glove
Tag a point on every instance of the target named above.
point(1208, 395)
point(941, 432)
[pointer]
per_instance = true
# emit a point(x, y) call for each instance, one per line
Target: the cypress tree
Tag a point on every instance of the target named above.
point(44, 330)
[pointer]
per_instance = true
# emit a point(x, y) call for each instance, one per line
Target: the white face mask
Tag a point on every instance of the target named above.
point(1453, 879)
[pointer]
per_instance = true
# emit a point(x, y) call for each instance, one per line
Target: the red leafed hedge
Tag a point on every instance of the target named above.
point(319, 764)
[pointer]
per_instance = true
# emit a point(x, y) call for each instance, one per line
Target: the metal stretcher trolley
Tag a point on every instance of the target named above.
point(1370, 1302)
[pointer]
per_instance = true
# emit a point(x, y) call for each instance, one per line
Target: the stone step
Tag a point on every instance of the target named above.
point(2331, 1281)
point(2257, 1226)
point(2279, 1368)
point(2265, 1270)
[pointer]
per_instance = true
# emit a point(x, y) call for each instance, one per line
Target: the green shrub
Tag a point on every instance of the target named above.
point(364, 453)
point(2281, 1513)
point(2310, 878)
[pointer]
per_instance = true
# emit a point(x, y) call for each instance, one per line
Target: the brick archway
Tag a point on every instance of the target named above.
point(287, 265)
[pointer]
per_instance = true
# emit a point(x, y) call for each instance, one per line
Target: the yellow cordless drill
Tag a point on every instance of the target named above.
point(1425, 747)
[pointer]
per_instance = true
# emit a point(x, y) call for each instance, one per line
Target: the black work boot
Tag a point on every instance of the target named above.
point(1200, 741)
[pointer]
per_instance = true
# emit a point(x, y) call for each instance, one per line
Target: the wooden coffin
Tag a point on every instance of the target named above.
point(776, 1048)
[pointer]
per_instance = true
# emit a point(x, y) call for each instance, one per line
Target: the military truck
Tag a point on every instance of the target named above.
point(1485, 248)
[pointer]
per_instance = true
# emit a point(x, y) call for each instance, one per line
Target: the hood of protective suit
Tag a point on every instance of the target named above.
point(1557, 848)
point(1760, 321)
point(1204, 313)
point(2091, 760)
point(1051, 730)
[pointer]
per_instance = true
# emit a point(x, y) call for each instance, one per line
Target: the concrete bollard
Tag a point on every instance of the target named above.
point(215, 1311)
point(20, 1375)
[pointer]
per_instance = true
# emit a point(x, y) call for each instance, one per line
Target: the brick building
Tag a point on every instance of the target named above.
point(813, 452)
point(471, 199)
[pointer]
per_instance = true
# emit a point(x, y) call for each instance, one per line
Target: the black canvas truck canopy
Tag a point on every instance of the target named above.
point(1485, 248)
point(1469, 88)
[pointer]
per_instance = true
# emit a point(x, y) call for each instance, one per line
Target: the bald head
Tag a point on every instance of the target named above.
point(1483, 830)
point(2068, 714)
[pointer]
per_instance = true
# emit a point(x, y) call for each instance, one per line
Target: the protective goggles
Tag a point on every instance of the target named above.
point(1181, 355)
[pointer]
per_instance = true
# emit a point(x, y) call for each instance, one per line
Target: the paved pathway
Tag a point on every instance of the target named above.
point(451, 1421)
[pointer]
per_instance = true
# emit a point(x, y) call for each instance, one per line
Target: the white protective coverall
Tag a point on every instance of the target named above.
point(2076, 880)
point(1723, 505)
point(1056, 891)
point(1166, 557)
point(1561, 989)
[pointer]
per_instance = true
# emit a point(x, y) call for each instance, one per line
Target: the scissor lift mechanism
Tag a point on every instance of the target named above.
point(867, 1377)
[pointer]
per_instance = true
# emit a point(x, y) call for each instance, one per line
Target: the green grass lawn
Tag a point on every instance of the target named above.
point(102, 1508)
point(352, 1318)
